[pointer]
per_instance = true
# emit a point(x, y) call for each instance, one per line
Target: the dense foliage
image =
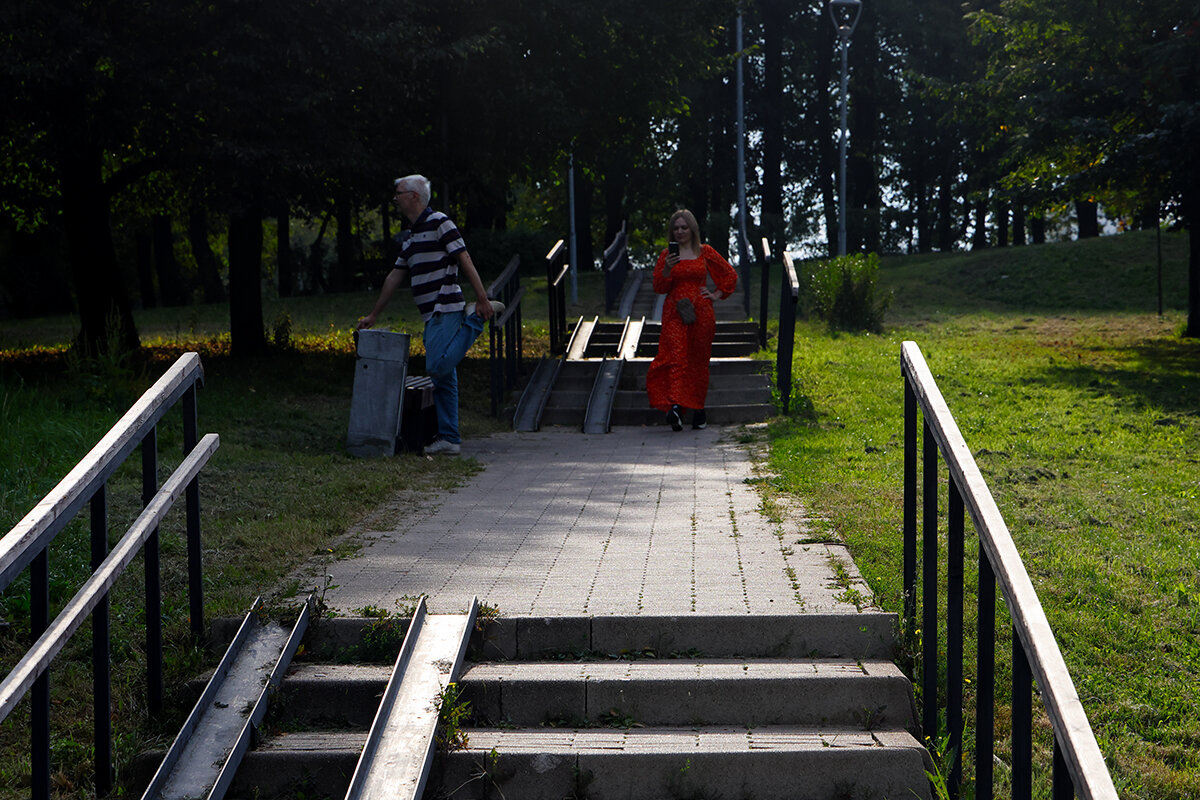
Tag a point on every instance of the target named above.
point(131, 130)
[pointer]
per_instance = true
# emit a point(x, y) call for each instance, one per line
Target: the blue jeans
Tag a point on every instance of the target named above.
point(448, 337)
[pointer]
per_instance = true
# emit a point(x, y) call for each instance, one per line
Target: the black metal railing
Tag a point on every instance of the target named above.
point(27, 546)
point(764, 268)
point(788, 301)
point(557, 268)
point(1078, 765)
point(506, 348)
point(616, 269)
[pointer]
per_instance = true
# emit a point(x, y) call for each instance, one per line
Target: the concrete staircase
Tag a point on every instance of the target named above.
point(739, 387)
point(797, 706)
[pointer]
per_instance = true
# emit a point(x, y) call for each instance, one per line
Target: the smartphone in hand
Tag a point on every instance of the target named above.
point(673, 248)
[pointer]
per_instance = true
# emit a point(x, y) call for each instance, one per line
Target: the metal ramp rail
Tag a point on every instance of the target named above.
point(598, 417)
point(206, 753)
point(397, 757)
point(528, 416)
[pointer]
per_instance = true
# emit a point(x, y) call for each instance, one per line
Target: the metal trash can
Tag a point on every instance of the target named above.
point(377, 404)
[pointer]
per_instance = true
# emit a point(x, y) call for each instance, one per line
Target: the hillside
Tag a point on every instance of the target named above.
point(1112, 273)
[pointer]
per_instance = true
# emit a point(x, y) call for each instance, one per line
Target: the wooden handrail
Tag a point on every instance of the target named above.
point(36, 529)
point(1072, 731)
point(37, 659)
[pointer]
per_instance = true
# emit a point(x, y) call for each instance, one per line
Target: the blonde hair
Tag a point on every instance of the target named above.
point(693, 226)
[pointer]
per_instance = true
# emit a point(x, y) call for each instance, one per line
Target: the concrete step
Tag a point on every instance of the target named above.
point(747, 692)
point(691, 692)
point(768, 763)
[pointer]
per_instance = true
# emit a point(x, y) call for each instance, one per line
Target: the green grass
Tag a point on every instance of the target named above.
point(1083, 416)
point(1079, 403)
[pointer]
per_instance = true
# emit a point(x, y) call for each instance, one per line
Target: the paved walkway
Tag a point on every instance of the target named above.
point(640, 521)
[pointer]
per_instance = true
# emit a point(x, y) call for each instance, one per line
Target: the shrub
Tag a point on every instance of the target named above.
point(844, 293)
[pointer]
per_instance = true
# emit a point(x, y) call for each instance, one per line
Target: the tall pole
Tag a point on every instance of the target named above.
point(845, 15)
point(743, 255)
point(843, 135)
point(572, 252)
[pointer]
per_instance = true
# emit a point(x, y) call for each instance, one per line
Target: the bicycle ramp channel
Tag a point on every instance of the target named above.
point(394, 759)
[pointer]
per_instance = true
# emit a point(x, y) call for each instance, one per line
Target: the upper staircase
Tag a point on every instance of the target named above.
point(601, 380)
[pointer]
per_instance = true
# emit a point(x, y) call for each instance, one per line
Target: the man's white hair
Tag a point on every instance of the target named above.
point(415, 183)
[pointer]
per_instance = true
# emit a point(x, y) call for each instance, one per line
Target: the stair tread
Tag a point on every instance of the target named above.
point(661, 669)
point(715, 738)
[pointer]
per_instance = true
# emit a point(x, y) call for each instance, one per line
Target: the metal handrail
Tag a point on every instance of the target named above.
point(789, 298)
point(506, 348)
point(764, 268)
point(557, 267)
point(616, 267)
point(26, 545)
point(1078, 763)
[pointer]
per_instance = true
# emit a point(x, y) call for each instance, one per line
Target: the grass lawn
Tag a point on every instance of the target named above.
point(1078, 401)
point(1081, 407)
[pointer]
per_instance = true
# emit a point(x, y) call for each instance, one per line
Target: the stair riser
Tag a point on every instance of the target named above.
point(600, 775)
point(825, 701)
point(856, 702)
point(723, 416)
point(869, 635)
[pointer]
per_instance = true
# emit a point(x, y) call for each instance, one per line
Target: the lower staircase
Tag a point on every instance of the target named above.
point(798, 706)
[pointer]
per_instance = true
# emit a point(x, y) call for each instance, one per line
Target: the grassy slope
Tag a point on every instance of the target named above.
point(1081, 410)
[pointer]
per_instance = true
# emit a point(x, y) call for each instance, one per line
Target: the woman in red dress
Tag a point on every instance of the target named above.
point(678, 378)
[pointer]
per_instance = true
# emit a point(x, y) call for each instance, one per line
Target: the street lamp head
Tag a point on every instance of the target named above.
point(845, 14)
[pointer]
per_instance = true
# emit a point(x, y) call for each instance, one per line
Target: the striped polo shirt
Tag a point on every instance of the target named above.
point(430, 254)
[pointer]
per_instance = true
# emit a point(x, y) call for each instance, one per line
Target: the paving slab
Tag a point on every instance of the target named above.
point(640, 521)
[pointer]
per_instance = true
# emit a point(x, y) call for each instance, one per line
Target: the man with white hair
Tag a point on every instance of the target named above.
point(434, 253)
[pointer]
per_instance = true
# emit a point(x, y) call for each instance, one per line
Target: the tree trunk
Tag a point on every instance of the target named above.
point(774, 19)
point(862, 223)
point(344, 274)
point(170, 282)
point(206, 260)
point(1018, 226)
point(826, 142)
point(979, 238)
point(144, 247)
point(1191, 220)
point(284, 260)
point(1037, 229)
point(1089, 221)
point(245, 283)
point(616, 179)
point(105, 315)
point(1002, 224)
point(585, 247)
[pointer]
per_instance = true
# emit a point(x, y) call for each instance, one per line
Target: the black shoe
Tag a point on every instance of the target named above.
point(699, 420)
point(675, 419)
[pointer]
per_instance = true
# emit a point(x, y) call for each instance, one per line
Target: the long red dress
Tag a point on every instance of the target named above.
point(679, 373)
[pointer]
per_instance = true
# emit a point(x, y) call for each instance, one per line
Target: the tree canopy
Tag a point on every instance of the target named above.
point(966, 128)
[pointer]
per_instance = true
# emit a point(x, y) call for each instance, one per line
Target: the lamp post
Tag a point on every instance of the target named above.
point(845, 14)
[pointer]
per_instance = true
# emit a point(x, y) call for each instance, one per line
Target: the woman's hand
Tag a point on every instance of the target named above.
point(710, 294)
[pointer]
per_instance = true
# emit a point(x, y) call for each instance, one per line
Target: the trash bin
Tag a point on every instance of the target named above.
point(377, 404)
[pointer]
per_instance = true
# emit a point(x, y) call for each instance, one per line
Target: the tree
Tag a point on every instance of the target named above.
point(1107, 103)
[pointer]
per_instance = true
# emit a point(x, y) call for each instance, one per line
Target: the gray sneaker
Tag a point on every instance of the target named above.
point(443, 448)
